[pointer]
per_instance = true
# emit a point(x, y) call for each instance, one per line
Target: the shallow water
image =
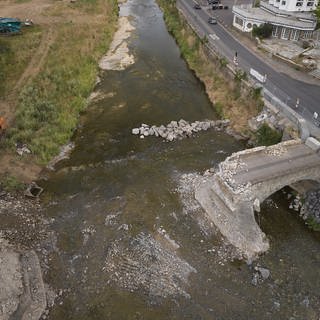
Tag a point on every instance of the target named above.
point(133, 244)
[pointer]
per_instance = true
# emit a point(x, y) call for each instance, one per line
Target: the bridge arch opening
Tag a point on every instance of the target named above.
point(283, 203)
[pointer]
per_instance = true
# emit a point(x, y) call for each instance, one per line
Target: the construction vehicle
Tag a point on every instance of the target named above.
point(9, 26)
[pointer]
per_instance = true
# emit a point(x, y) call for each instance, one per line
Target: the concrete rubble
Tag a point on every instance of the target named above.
point(23, 245)
point(22, 293)
point(260, 275)
point(178, 129)
point(311, 207)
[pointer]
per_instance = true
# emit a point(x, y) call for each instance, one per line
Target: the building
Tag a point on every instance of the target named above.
point(291, 19)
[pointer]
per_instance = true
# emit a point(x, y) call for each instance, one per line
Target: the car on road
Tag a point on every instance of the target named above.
point(212, 20)
point(196, 6)
point(213, 2)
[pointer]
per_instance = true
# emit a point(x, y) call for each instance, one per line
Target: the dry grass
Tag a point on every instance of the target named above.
point(224, 92)
point(57, 63)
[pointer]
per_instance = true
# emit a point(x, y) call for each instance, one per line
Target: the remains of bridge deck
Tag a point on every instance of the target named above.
point(246, 179)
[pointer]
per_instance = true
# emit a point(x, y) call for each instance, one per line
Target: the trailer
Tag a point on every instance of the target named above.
point(9, 26)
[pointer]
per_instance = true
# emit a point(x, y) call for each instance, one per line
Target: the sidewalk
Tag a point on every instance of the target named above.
point(287, 49)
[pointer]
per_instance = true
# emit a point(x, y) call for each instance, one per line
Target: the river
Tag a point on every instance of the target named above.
point(131, 241)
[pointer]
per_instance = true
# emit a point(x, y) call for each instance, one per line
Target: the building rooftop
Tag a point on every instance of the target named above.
point(298, 14)
point(261, 15)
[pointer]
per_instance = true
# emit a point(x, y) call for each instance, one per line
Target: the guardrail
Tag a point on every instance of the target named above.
point(307, 127)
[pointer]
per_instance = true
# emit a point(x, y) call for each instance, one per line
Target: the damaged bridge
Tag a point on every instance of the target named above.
point(246, 179)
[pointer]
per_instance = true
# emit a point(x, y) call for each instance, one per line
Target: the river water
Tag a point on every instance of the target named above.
point(131, 241)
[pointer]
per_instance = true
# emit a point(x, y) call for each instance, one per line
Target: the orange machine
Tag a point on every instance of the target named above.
point(2, 124)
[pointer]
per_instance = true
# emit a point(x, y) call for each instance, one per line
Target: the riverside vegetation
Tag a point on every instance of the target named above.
point(229, 99)
point(46, 107)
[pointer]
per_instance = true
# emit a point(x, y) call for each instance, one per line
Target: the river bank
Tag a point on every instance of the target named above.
point(50, 70)
point(126, 238)
point(25, 238)
point(227, 97)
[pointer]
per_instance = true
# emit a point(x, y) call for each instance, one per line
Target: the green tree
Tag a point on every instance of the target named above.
point(266, 136)
point(263, 31)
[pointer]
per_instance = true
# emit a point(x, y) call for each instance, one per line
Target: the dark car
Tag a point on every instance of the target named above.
point(212, 20)
point(197, 6)
point(213, 2)
point(225, 7)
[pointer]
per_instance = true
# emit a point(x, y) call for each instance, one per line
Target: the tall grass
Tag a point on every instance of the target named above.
point(48, 106)
point(15, 54)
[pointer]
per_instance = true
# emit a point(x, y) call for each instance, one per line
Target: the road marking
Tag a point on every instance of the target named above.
point(213, 36)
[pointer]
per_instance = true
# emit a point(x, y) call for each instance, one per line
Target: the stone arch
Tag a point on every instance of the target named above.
point(264, 190)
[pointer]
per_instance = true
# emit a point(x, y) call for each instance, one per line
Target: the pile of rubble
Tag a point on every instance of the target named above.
point(276, 150)
point(229, 168)
point(311, 207)
point(179, 129)
point(142, 263)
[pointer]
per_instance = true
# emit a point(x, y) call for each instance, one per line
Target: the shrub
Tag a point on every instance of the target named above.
point(266, 136)
point(263, 31)
point(240, 75)
point(223, 62)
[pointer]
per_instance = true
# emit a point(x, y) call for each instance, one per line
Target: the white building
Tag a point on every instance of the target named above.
point(291, 19)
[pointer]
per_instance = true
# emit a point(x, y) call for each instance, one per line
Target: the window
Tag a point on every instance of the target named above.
point(275, 31)
point(283, 3)
point(249, 25)
point(299, 4)
point(307, 34)
point(310, 4)
point(238, 21)
point(285, 33)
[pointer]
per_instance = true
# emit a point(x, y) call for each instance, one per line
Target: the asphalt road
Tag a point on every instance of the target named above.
point(281, 85)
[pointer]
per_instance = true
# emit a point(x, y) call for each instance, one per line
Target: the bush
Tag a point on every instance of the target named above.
point(263, 31)
point(240, 75)
point(266, 136)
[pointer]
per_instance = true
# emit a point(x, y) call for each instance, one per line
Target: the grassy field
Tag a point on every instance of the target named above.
point(228, 99)
point(15, 53)
point(72, 39)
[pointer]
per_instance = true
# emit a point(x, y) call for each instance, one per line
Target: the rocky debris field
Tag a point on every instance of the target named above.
point(229, 168)
point(142, 263)
point(25, 247)
point(179, 129)
point(311, 207)
point(10, 278)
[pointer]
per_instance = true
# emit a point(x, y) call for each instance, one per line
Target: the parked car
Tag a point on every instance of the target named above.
point(220, 6)
point(213, 1)
point(196, 6)
point(225, 7)
point(212, 20)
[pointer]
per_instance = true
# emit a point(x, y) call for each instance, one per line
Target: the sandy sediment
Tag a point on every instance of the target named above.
point(118, 56)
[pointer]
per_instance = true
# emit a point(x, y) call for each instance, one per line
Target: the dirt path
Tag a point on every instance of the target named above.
point(37, 60)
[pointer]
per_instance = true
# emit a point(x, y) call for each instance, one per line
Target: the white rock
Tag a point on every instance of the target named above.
point(135, 131)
